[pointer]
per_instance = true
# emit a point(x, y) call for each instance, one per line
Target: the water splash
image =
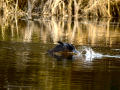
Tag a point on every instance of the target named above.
point(89, 54)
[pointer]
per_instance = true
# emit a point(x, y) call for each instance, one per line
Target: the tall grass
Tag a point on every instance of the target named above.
point(88, 8)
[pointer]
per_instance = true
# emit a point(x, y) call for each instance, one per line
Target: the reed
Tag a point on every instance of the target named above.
point(87, 8)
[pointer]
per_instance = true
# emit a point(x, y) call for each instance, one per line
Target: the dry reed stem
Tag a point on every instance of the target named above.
point(98, 8)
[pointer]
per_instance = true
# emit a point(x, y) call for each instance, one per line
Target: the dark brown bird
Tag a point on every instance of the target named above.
point(63, 48)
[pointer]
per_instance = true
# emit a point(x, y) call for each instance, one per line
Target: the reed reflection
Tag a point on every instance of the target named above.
point(52, 29)
point(24, 62)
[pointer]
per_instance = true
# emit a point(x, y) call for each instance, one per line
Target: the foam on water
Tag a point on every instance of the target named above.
point(90, 54)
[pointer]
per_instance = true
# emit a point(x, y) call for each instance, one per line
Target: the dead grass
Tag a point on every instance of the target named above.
point(87, 8)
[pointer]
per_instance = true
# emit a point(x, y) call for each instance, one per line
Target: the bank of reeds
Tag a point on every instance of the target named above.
point(88, 8)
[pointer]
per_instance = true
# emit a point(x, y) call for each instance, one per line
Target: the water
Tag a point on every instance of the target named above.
point(25, 65)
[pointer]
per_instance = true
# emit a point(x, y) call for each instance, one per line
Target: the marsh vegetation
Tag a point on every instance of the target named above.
point(86, 8)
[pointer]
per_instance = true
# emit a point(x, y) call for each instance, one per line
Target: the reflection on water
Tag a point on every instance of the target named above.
point(25, 65)
point(52, 29)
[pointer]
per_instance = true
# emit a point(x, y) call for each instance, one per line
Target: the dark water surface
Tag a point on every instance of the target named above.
point(25, 65)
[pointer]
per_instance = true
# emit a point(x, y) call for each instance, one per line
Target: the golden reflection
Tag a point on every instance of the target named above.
point(68, 29)
point(25, 65)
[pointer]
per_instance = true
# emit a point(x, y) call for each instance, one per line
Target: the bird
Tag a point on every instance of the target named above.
point(63, 48)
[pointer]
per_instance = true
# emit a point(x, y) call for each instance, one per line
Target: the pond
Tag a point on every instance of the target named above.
point(25, 64)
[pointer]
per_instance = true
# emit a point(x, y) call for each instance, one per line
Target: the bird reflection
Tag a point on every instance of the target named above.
point(63, 51)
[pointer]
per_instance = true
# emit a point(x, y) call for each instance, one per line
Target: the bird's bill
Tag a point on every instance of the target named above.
point(75, 51)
